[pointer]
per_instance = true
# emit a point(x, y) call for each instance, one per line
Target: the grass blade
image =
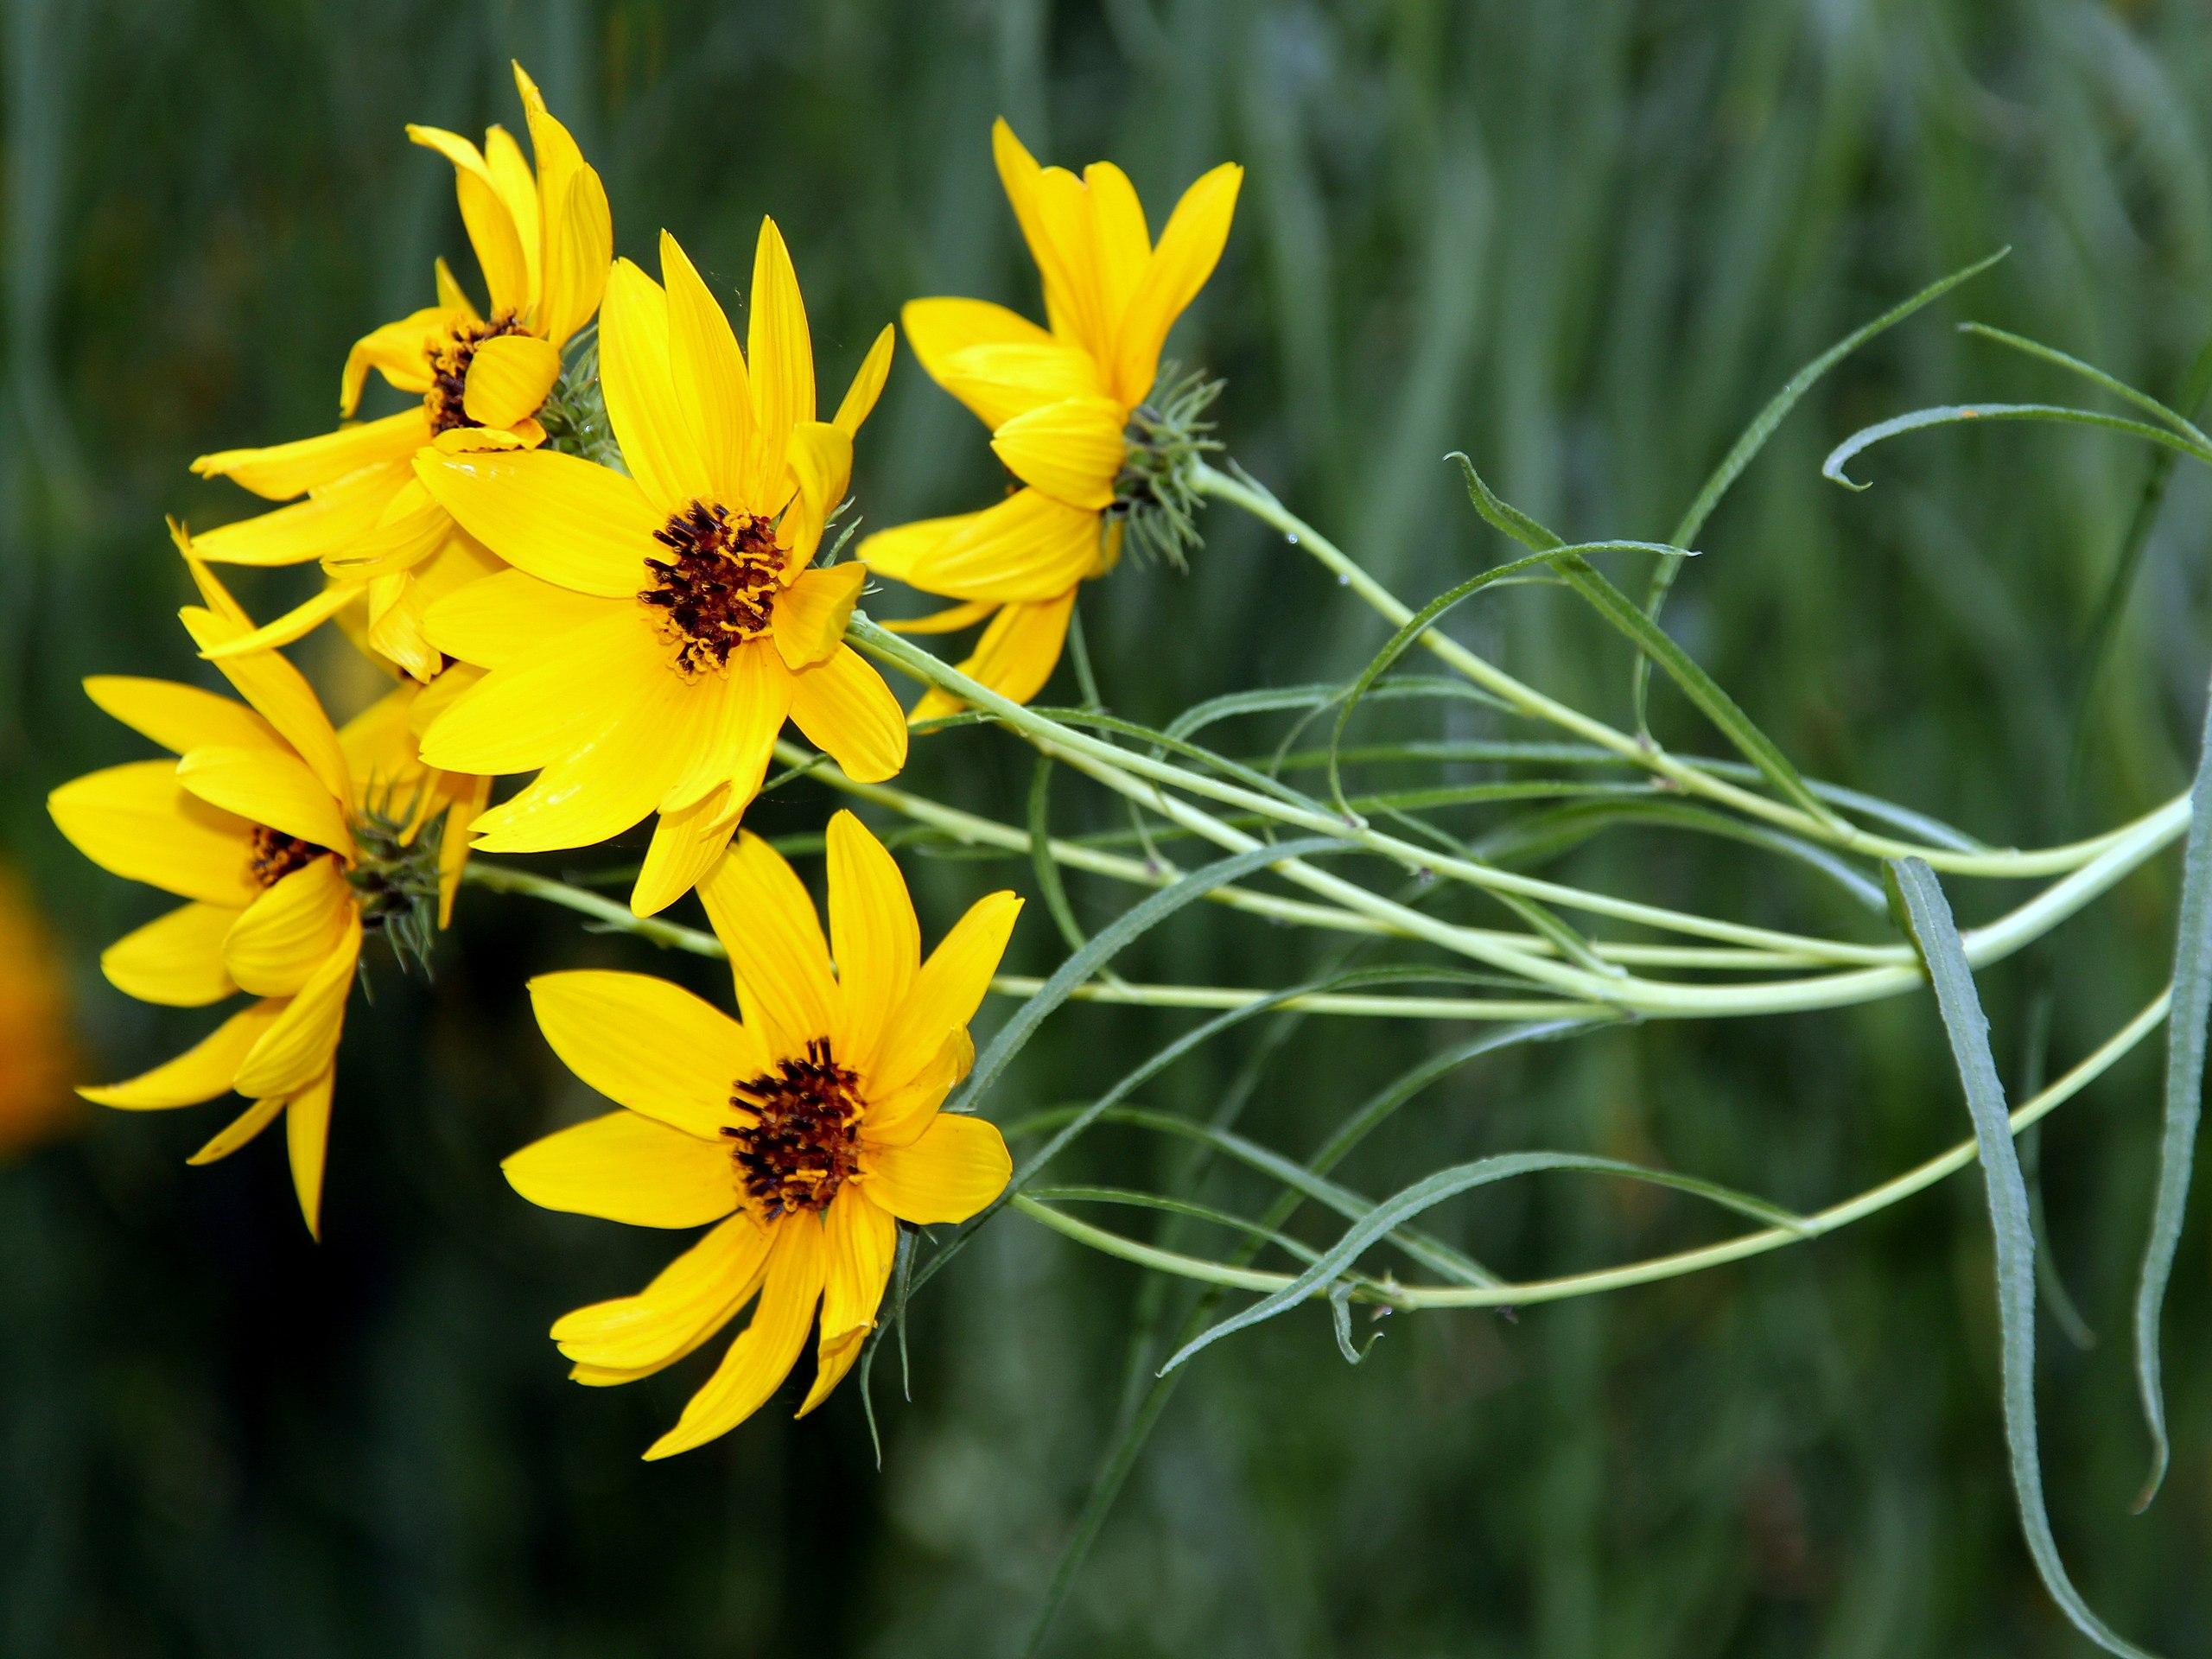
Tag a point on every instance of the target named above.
point(1960, 413)
point(2184, 1095)
point(1927, 914)
point(2119, 389)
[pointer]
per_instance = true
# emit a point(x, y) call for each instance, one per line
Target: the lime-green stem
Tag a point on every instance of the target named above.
point(1692, 780)
point(1655, 1268)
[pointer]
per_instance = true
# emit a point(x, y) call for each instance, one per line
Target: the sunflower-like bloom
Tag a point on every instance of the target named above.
point(804, 1134)
point(658, 624)
point(289, 840)
point(1065, 407)
point(543, 240)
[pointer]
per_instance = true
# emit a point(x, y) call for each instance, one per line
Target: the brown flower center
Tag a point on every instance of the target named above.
point(449, 362)
point(276, 854)
point(802, 1142)
point(716, 588)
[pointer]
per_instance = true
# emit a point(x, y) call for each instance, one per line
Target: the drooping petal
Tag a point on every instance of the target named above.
point(201, 1072)
point(766, 1349)
point(624, 1168)
point(687, 842)
point(137, 822)
point(239, 1131)
point(399, 350)
point(547, 702)
point(780, 353)
point(897, 1116)
point(859, 1240)
point(509, 376)
point(810, 614)
point(821, 458)
point(1072, 451)
point(845, 708)
point(297, 623)
point(760, 910)
point(949, 988)
point(266, 787)
point(687, 1302)
point(873, 937)
point(902, 549)
point(859, 401)
point(279, 940)
point(301, 1041)
point(708, 372)
point(1189, 249)
point(282, 471)
point(507, 615)
point(1028, 547)
point(648, 1045)
point(179, 717)
point(951, 1170)
point(637, 374)
point(601, 788)
point(307, 1145)
point(748, 704)
point(559, 517)
point(953, 619)
point(175, 960)
point(1014, 657)
point(279, 693)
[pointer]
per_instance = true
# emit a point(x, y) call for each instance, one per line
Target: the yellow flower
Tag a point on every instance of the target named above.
point(543, 240)
point(1059, 405)
point(288, 841)
point(659, 626)
point(34, 1051)
point(806, 1134)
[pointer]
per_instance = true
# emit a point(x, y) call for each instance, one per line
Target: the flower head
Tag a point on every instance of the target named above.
point(658, 624)
point(289, 840)
point(543, 238)
point(1073, 409)
point(804, 1134)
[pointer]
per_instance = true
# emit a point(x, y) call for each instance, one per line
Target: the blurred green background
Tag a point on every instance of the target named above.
point(1582, 240)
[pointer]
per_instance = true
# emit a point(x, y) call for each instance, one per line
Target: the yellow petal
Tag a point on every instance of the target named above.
point(953, 619)
point(953, 1169)
point(708, 372)
point(399, 350)
point(760, 911)
point(766, 1349)
point(858, 1241)
point(844, 708)
point(201, 1072)
point(280, 695)
point(747, 705)
point(1072, 451)
point(648, 1045)
point(1025, 187)
point(579, 245)
point(284, 470)
point(939, 329)
point(821, 457)
point(780, 353)
point(307, 1142)
point(239, 1131)
point(179, 717)
point(301, 1041)
point(897, 1116)
point(137, 822)
point(949, 988)
point(175, 960)
point(637, 375)
point(1028, 547)
point(409, 529)
point(450, 295)
point(859, 401)
point(509, 376)
point(624, 1168)
point(547, 703)
point(900, 552)
point(327, 524)
point(1189, 249)
point(1117, 232)
point(1068, 256)
point(279, 940)
point(268, 788)
point(559, 517)
point(812, 614)
point(515, 183)
point(1014, 657)
point(687, 842)
point(1000, 382)
point(492, 233)
point(506, 616)
point(598, 788)
point(297, 623)
point(873, 935)
point(687, 1302)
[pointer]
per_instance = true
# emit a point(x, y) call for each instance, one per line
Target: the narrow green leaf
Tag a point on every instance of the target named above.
point(1960, 413)
point(2184, 1099)
point(1042, 864)
point(1927, 915)
point(1426, 1193)
point(2119, 389)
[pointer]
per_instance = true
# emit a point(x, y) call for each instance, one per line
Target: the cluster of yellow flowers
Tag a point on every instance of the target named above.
point(593, 550)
